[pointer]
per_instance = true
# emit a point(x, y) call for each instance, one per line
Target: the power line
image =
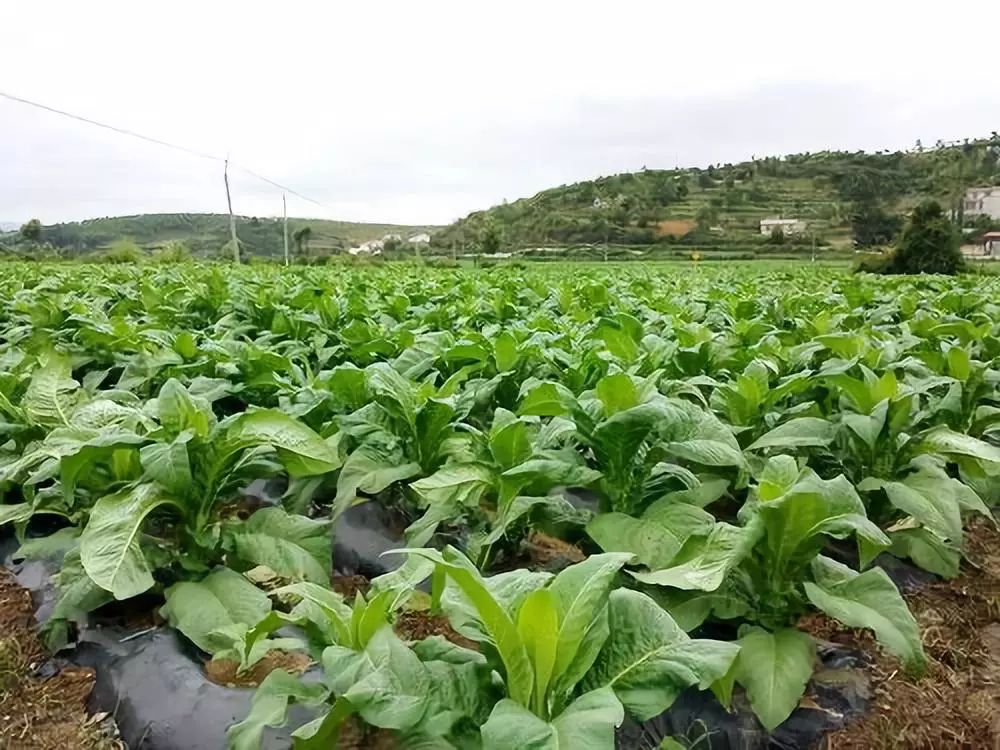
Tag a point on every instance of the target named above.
point(123, 131)
point(159, 142)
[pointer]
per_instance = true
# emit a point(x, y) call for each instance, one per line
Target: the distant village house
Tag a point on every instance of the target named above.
point(987, 247)
point(420, 239)
point(982, 201)
point(788, 227)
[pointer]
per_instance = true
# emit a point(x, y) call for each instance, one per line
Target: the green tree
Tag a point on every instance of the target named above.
point(707, 217)
point(930, 243)
point(301, 237)
point(123, 251)
point(490, 237)
point(31, 231)
point(174, 251)
point(872, 226)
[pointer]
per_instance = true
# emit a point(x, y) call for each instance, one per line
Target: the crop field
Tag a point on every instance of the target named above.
point(496, 508)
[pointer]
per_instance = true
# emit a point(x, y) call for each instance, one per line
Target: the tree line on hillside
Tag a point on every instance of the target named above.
point(175, 238)
point(865, 194)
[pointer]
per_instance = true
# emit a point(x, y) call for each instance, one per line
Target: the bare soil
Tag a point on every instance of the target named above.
point(226, 672)
point(415, 625)
point(42, 710)
point(956, 706)
point(355, 735)
point(349, 586)
point(541, 552)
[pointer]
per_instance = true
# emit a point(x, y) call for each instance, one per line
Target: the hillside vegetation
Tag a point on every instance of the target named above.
point(842, 196)
point(207, 234)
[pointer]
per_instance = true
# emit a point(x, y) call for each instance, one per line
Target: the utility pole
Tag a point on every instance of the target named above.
point(284, 215)
point(232, 219)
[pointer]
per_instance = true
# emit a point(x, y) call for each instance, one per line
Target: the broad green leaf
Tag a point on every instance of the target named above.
point(927, 550)
point(110, 546)
point(221, 599)
point(52, 394)
point(180, 411)
point(617, 393)
point(538, 626)
point(803, 432)
point(588, 723)
point(508, 589)
point(774, 669)
point(269, 707)
point(543, 473)
point(16, 513)
point(930, 500)
point(505, 352)
point(797, 520)
point(371, 468)
point(448, 494)
point(294, 547)
point(950, 443)
point(396, 394)
point(868, 600)
point(496, 621)
point(868, 427)
point(55, 545)
point(323, 732)
point(395, 694)
point(704, 562)
point(657, 537)
point(510, 443)
point(168, 464)
point(779, 475)
point(648, 660)
point(707, 452)
point(581, 595)
point(546, 400)
point(702, 495)
point(78, 596)
point(302, 452)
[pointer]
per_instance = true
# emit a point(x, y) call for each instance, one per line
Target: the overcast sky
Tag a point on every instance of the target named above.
point(419, 112)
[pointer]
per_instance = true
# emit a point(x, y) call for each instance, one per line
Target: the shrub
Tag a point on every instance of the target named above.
point(173, 252)
point(123, 251)
point(930, 243)
point(873, 263)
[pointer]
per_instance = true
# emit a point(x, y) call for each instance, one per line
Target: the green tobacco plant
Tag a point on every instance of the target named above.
point(162, 509)
point(514, 470)
point(402, 432)
point(766, 573)
point(643, 443)
point(896, 454)
point(574, 653)
point(426, 691)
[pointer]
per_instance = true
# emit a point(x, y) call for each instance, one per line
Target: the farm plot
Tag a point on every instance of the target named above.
point(545, 508)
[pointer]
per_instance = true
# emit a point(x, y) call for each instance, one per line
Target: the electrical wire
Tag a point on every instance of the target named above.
point(167, 144)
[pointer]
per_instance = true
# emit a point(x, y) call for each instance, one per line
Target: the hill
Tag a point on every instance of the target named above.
point(207, 234)
point(844, 198)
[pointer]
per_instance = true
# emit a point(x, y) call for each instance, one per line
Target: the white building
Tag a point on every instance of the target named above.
point(788, 227)
point(983, 201)
point(989, 244)
point(420, 239)
point(372, 247)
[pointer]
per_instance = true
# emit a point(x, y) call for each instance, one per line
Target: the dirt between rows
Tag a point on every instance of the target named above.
point(42, 705)
point(956, 706)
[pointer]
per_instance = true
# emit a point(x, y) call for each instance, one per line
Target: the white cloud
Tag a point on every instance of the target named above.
point(414, 112)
